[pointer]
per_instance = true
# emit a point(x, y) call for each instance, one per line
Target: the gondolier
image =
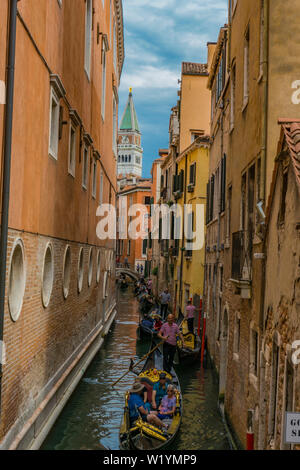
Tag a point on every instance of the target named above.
point(168, 334)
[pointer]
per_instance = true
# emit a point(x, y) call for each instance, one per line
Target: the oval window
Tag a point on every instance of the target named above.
point(48, 275)
point(91, 265)
point(67, 272)
point(80, 270)
point(16, 287)
point(98, 267)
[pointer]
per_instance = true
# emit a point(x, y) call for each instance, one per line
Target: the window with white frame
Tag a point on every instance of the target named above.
point(72, 151)
point(54, 124)
point(94, 178)
point(88, 36)
point(103, 80)
point(246, 67)
point(85, 167)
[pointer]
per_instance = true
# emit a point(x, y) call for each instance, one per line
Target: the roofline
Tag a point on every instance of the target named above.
point(120, 24)
point(216, 56)
point(202, 141)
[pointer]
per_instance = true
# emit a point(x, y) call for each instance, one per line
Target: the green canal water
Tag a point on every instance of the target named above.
point(92, 417)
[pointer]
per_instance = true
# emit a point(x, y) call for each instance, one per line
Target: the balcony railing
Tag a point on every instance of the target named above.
point(241, 256)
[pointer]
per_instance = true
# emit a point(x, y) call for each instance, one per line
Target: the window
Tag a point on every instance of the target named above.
point(193, 174)
point(91, 266)
point(72, 151)
point(138, 160)
point(94, 178)
point(232, 96)
point(101, 188)
point(85, 168)
point(80, 270)
point(246, 67)
point(67, 272)
point(243, 202)
point(54, 124)
point(88, 36)
point(103, 80)
point(223, 184)
point(98, 274)
point(147, 201)
point(128, 247)
point(145, 244)
point(16, 286)
point(48, 275)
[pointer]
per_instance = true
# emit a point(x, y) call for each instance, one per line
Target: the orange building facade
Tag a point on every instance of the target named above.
point(60, 289)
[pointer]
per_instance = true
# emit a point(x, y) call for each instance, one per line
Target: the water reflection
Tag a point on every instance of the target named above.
point(91, 419)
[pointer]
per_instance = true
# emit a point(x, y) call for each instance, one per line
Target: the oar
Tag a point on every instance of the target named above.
point(134, 365)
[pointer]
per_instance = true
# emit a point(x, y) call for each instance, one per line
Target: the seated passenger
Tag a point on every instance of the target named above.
point(158, 323)
point(168, 404)
point(137, 408)
point(148, 322)
point(159, 391)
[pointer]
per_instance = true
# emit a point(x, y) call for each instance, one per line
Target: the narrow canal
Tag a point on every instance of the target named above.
point(91, 419)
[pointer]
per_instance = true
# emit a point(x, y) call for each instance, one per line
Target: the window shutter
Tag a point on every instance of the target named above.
point(212, 192)
point(181, 180)
point(207, 202)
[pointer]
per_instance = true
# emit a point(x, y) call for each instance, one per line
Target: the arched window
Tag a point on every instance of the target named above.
point(48, 275)
point(80, 270)
point(91, 266)
point(67, 271)
point(16, 287)
point(129, 158)
point(122, 158)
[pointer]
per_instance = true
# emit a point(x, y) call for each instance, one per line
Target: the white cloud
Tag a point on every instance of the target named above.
point(149, 77)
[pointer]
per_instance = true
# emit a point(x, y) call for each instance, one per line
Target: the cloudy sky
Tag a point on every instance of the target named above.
point(159, 35)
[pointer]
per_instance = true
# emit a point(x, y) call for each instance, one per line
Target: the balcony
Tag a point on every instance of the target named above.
point(241, 269)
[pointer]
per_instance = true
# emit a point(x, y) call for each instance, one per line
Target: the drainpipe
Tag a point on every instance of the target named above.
point(183, 239)
point(8, 121)
point(264, 140)
point(265, 102)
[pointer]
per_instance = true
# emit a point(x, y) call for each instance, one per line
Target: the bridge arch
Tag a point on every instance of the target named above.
point(128, 272)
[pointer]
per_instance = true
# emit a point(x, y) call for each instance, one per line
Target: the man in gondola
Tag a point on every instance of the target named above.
point(168, 334)
point(137, 407)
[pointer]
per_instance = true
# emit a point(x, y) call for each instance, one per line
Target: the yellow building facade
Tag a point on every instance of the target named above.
point(193, 165)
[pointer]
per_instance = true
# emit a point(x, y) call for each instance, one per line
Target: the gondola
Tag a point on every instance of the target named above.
point(143, 436)
point(146, 331)
point(191, 351)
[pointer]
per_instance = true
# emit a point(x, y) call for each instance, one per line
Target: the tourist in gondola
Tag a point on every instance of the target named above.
point(159, 391)
point(168, 334)
point(168, 404)
point(137, 408)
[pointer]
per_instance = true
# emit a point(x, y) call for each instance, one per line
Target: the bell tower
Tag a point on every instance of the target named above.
point(130, 152)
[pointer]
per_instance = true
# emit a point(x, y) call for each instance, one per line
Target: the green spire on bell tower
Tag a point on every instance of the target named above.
point(129, 120)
